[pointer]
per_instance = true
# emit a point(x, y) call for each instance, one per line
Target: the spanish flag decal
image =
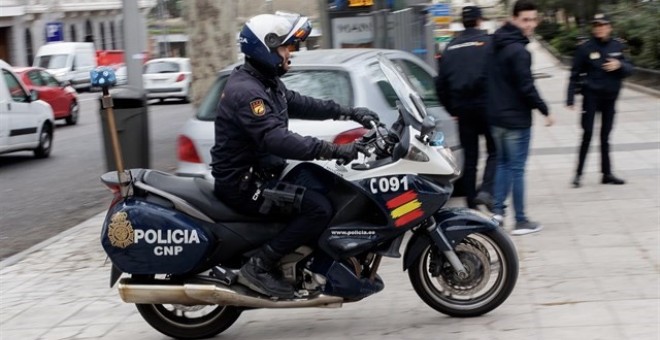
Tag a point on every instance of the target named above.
point(405, 208)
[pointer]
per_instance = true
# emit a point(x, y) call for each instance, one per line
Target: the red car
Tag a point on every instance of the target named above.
point(61, 97)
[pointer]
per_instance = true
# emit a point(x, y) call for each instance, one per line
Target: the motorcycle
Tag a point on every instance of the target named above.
point(180, 247)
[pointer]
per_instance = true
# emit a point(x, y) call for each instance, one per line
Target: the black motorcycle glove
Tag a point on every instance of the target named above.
point(361, 115)
point(344, 152)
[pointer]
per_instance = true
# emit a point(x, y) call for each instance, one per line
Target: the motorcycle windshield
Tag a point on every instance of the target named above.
point(409, 98)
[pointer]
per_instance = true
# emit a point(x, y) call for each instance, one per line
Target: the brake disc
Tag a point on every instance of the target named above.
point(476, 260)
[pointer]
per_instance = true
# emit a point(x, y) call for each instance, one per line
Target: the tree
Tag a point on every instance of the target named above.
point(211, 41)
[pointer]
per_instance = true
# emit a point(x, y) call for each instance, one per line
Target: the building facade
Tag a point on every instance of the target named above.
point(26, 25)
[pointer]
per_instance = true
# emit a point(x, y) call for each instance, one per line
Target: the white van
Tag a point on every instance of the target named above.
point(26, 123)
point(68, 61)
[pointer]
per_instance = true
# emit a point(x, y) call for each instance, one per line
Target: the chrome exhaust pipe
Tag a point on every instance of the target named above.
point(210, 294)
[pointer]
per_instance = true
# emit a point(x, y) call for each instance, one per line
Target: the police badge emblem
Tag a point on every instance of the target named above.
point(120, 231)
point(594, 55)
point(258, 107)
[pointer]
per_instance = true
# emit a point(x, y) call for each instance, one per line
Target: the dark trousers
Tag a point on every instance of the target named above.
point(471, 124)
point(597, 102)
point(304, 227)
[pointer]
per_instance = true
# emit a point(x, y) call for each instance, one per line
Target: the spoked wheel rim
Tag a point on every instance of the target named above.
point(487, 272)
point(190, 316)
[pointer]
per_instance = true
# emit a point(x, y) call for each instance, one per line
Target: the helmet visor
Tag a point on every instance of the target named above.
point(300, 31)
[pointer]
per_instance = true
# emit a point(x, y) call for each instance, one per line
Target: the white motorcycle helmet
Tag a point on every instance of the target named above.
point(263, 34)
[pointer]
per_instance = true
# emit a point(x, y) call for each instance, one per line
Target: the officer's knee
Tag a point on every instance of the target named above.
point(317, 207)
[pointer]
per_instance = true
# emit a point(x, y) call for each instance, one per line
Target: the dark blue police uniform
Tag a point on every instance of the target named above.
point(461, 88)
point(252, 143)
point(600, 91)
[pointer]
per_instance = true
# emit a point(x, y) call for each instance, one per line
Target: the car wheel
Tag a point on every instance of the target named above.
point(188, 96)
point(74, 111)
point(45, 142)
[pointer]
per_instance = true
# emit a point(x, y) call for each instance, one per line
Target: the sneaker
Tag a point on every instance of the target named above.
point(526, 227)
point(485, 199)
point(611, 179)
point(499, 219)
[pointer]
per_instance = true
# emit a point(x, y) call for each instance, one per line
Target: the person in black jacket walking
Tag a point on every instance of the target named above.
point(461, 88)
point(252, 141)
point(601, 58)
point(511, 98)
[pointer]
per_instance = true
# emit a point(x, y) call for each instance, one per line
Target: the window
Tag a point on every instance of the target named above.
point(49, 79)
point(15, 89)
point(28, 46)
point(210, 102)
point(52, 61)
point(326, 85)
point(161, 67)
point(421, 80)
point(113, 38)
point(376, 75)
point(102, 29)
point(73, 33)
point(35, 78)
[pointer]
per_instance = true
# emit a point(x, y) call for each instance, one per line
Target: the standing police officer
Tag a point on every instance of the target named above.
point(252, 141)
point(461, 88)
point(601, 58)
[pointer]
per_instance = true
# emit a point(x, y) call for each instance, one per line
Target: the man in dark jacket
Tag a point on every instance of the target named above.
point(461, 88)
point(252, 141)
point(602, 60)
point(511, 97)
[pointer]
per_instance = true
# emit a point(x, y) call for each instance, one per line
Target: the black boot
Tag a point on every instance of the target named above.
point(259, 274)
point(576, 181)
point(611, 179)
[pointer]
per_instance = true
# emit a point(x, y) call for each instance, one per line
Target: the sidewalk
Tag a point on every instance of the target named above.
point(592, 273)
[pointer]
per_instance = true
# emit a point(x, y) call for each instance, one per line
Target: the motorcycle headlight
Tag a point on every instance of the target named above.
point(417, 155)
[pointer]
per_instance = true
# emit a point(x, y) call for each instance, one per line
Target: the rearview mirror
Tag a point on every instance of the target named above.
point(428, 126)
point(34, 95)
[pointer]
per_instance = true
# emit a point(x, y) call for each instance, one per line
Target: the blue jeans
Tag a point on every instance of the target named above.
point(512, 147)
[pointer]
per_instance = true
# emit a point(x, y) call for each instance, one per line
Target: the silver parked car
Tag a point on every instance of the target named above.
point(350, 77)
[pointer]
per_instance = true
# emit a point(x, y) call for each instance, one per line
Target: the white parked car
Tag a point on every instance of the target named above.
point(26, 123)
point(350, 77)
point(167, 78)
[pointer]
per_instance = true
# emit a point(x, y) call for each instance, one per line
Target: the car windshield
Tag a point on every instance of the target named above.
point(53, 61)
point(161, 67)
point(322, 84)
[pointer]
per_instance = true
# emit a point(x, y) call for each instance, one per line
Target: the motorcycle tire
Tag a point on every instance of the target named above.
point(176, 324)
point(484, 245)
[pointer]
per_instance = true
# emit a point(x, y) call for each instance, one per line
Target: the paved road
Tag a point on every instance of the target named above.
point(42, 197)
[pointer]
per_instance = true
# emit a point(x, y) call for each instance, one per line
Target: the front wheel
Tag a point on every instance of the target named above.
point(491, 263)
point(189, 322)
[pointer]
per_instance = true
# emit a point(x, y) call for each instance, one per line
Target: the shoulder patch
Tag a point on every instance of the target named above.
point(258, 107)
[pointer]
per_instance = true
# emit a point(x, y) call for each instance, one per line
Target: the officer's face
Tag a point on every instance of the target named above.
point(526, 21)
point(601, 30)
point(283, 51)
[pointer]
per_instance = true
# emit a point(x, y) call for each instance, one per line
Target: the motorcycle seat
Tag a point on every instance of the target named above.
point(198, 192)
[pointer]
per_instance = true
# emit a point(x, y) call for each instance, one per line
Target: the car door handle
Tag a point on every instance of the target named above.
point(8, 106)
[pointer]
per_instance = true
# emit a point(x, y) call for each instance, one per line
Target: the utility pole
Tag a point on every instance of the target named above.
point(133, 43)
point(326, 38)
point(211, 41)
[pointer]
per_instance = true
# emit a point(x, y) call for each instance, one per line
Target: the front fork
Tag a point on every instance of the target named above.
point(446, 229)
point(440, 240)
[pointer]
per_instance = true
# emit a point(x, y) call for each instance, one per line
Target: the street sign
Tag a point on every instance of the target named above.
point(440, 10)
point(442, 20)
point(360, 3)
point(54, 31)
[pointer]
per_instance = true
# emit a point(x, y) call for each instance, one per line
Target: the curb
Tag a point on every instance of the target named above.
point(12, 260)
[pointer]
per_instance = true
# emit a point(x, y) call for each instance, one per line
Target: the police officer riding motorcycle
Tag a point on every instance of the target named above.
point(252, 141)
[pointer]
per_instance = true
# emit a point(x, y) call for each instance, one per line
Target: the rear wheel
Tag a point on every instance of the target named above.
point(45, 142)
point(491, 263)
point(189, 322)
point(74, 111)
